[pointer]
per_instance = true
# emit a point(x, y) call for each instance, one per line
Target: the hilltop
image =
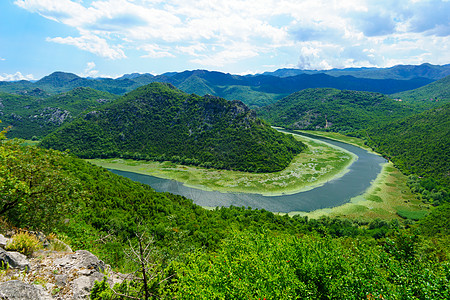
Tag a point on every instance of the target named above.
point(160, 122)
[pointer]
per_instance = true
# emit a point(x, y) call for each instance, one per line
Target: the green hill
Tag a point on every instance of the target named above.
point(332, 109)
point(417, 144)
point(429, 96)
point(39, 115)
point(159, 122)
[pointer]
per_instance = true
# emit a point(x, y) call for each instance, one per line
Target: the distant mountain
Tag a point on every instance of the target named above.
point(333, 109)
point(160, 122)
point(254, 91)
point(418, 144)
point(37, 114)
point(432, 95)
point(400, 72)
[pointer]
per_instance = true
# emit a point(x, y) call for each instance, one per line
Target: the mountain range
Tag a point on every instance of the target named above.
point(253, 90)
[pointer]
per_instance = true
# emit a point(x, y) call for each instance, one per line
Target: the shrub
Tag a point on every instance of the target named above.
point(24, 243)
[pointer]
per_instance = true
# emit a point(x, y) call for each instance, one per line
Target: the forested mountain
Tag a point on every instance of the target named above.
point(425, 70)
point(418, 144)
point(160, 122)
point(255, 91)
point(431, 95)
point(332, 109)
point(37, 114)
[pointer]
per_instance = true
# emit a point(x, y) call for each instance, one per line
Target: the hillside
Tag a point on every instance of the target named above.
point(254, 91)
point(417, 144)
point(428, 96)
point(332, 109)
point(223, 253)
point(400, 72)
point(37, 114)
point(159, 122)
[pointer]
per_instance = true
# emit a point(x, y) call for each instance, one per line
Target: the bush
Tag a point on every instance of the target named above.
point(24, 243)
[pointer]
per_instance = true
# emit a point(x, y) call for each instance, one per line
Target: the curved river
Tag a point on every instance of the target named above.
point(333, 193)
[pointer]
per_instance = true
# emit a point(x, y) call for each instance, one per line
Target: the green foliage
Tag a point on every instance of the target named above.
point(36, 192)
point(263, 266)
point(419, 145)
point(159, 122)
point(335, 110)
point(431, 95)
point(24, 243)
point(36, 116)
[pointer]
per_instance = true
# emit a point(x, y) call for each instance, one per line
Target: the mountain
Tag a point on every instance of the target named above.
point(254, 91)
point(417, 144)
point(37, 114)
point(400, 72)
point(333, 109)
point(158, 121)
point(428, 96)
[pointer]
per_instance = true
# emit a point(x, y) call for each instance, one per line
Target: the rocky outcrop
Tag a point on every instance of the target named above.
point(19, 290)
point(16, 260)
point(60, 275)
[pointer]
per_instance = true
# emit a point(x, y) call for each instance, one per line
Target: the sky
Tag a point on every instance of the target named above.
point(109, 38)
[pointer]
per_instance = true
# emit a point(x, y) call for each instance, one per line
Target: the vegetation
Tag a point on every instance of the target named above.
point(335, 110)
point(159, 122)
point(24, 243)
point(254, 91)
point(314, 166)
point(204, 253)
point(418, 145)
point(431, 95)
point(36, 115)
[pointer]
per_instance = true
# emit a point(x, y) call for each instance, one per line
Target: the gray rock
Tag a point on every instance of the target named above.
point(14, 260)
point(18, 290)
point(81, 259)
point(83, 285)
point(3, 241)
point(61, 280)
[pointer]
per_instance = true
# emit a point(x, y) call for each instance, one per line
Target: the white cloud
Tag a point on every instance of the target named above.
point(93, 44)
point(155, 51)
point(15, 77)
point(341, 33)
point(2, 59)
point(90, 70)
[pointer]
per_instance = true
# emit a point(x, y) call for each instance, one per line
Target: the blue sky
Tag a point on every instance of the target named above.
point(114, 37)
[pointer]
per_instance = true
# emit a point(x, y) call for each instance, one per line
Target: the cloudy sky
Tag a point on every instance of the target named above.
point(113, 37)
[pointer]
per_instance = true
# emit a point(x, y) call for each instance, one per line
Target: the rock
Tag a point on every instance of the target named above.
point(61, 280)
point(14, 260)
point(3, 241)
point(81, 259)
point(18, 290)
point(82, 286)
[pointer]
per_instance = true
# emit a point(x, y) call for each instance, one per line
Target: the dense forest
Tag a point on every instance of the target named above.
point(224, 253)
point(419, 145)
point(159, 122)
point(37, 113)
point(331, 109)
point(431, 95)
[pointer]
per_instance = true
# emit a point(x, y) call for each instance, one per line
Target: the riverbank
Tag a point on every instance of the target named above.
point(319, 163)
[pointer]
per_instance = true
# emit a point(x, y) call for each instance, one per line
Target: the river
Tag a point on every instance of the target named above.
point(333, 193)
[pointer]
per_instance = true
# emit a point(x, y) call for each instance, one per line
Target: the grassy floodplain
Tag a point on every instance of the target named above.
point(388, 197)
point(319, 163)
